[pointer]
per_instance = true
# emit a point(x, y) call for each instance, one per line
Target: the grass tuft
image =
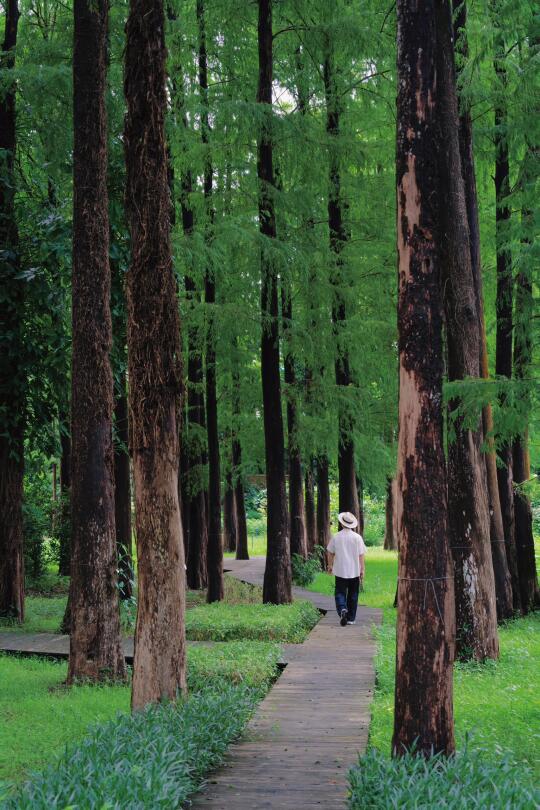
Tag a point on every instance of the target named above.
point(221, 622)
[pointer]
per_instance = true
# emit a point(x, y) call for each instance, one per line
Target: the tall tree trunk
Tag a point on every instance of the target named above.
point(154, 355)
point(277, 574)
point(12, 385)
point(230, 518)
point(311, 519)
point(476, 613)
point(122, 496)
point(297, 513)
point(425, 626)
point(242, 552)
point(215, 547)
point(390, 536)
point(95, 644)
point(65, 491)
point(503, 582)
point(523, 349)
point(503, 307)
point(324, 529)
point(348, 492)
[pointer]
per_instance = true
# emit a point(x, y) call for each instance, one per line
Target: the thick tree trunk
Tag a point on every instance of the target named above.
point(503, 307)
point(390, 536)
point(12, 383)
point(324, 530)
point(503, 582)
point(425, 627)
point(297, 513)
point(155, 382)
point(348, 493)
point(95, 644)
point(230, 518)
point(122, 498)
point(277, 574)
point(311, 519)
point(215, 547)
point(476, 614)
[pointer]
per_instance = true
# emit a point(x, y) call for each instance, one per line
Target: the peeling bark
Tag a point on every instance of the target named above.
point(476, 614)
point(154, 354)
point(95, 643)
point(426, 621)
point(503, 582)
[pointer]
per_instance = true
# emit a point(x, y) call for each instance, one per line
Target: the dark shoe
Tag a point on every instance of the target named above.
point(343, 620)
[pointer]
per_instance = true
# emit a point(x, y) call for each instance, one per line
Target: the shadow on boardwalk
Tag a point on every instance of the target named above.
point(308, 731)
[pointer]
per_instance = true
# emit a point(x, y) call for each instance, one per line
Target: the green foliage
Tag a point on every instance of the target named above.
point(461, 782)
point(43, 614)
point(219, 622)
point(40, 717)
point(305, 571)
point(153, 758)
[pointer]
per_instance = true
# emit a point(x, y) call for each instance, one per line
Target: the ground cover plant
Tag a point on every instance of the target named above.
point(154, 758)
point(496, 706)
point(461, 782)
point(221, 622)
point(39, 717)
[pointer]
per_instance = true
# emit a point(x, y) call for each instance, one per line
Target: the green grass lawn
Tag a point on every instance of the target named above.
point(39, 717)
point(497, 706)
point(224, 622)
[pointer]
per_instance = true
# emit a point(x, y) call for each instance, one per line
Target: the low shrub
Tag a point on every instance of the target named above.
point(304, 571)
point(154, 758)
point(222, 622)
point(461, 782)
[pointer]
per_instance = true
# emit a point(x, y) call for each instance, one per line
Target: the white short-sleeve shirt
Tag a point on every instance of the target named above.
point(347, 546)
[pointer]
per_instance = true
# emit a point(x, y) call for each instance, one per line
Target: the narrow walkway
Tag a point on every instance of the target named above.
point(308, 731)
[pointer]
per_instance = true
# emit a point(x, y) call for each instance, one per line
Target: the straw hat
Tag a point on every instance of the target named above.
point(348, 520)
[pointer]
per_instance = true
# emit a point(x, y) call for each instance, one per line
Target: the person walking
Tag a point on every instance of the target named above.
point(347, 550)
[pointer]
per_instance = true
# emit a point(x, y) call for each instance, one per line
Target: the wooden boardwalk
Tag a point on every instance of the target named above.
point(308, 731)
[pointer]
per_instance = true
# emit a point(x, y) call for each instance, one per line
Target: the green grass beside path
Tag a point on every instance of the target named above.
point(39, 717)
point(496, 704)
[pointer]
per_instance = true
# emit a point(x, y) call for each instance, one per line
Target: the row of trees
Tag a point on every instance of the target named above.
point(260, 166)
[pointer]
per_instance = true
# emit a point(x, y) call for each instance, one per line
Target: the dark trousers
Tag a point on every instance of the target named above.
point(346, 593)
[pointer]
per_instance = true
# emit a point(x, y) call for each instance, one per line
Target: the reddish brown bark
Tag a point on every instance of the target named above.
point(12, 377)
point(503, 582)
point(425, 627)
point(95, 643)
point(348, 492)
point(154, 355)
point(476, 615)
point(277, 574)
point(122, 497)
